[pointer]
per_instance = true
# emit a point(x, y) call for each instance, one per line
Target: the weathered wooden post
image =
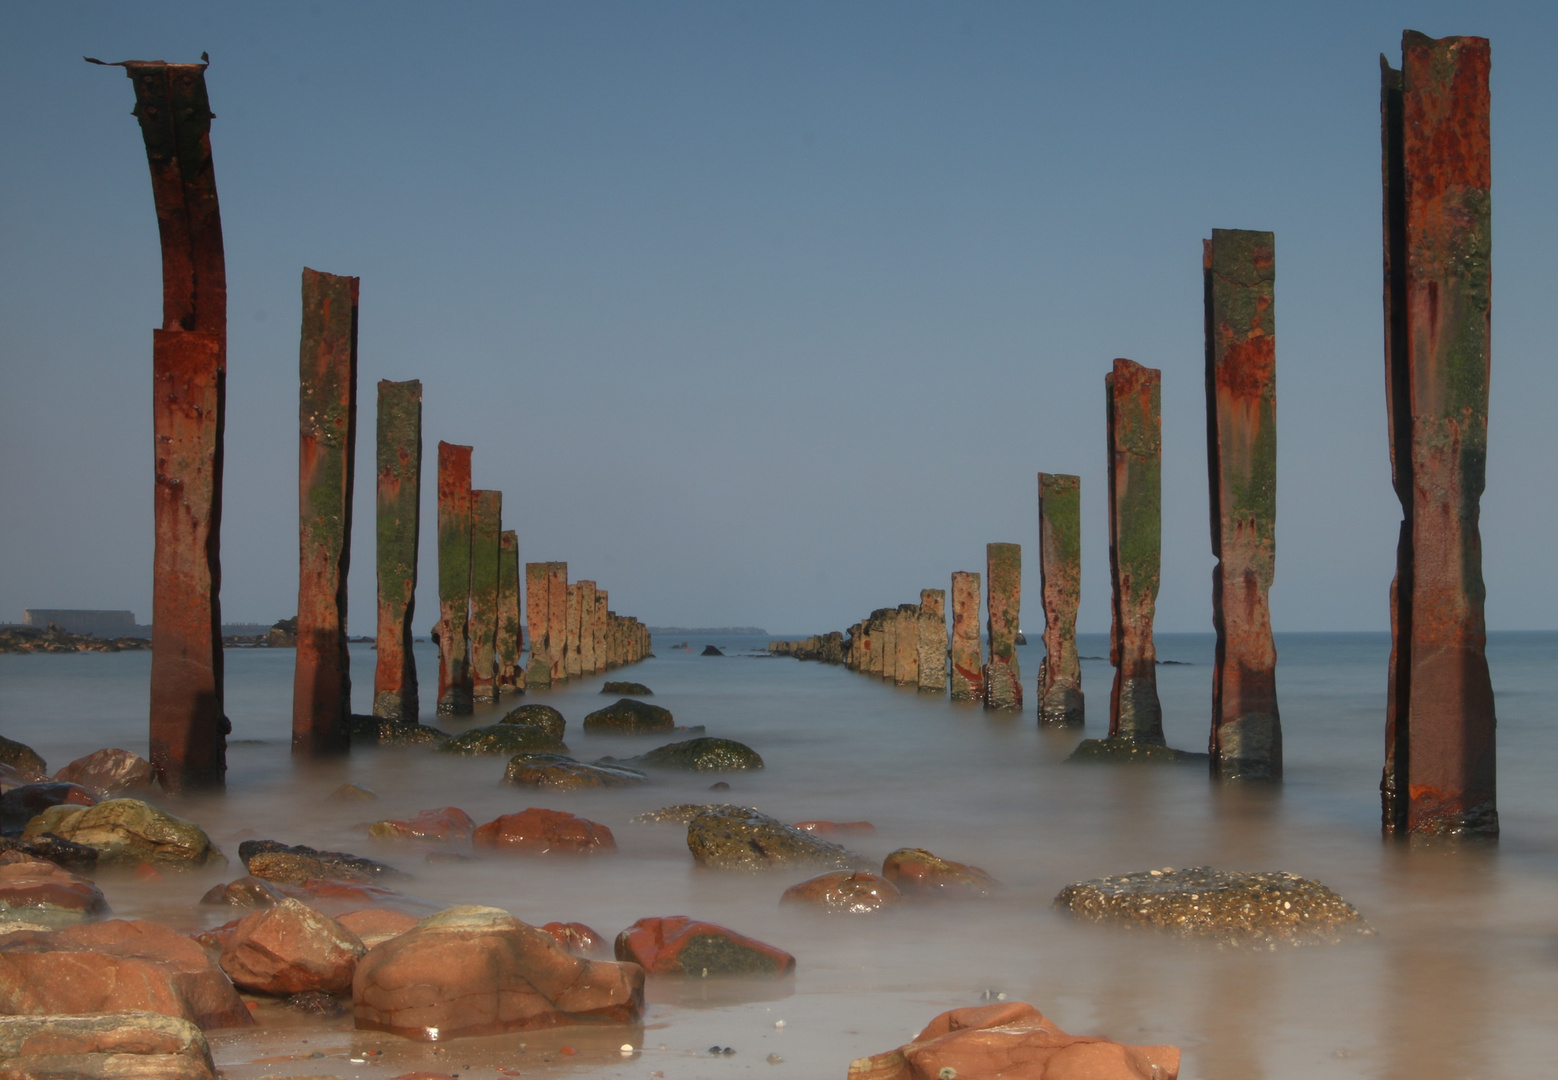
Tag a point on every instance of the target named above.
point(968, 680)
point(871, 659)
point(1241, 432)
point(486, 548)
point(557, 620)
point(511, 636)
point(1439, 777)
point(586, 627)
point(399, 454)
point(538, 596)
point(932, 644)
point(187, 731)
point(455, 523)
point(1003, 680)
point(573, 651)
point(1135, 539)
point(327, 438)
point(1060, 576)
point(613, 641)
point(906, 671)
point(889, 639)
point(602, 659)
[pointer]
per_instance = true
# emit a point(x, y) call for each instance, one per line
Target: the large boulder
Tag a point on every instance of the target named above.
point(678, 945)
point(115, 966)
point(375, 925)
point(443, 825)
point(291, 948)
point(480, 971)
point(844, 892)
point(379, 731)
point(1017, 1041)
point(735, 838)
point(629, 717)
point(129, 832)
point(21, 804)
point(920, 874)
point(682, 813)
point(631, 689)
point(557, 772)
point(111, 773)
point(509, 739)
point(37, 891)
point(119, 1046)
point(544, 717)
point(1259, 910)
point(696, 755)
point(51, 849)
point(543, 832)
point(23, 758)
point(296, 863)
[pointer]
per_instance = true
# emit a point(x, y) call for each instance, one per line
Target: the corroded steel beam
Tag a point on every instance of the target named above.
point(932, 619)
point(327, 451)
point(399, 536)
point(1135, 542)
point(557, 620)
point(968, 680)
point(188, 729)
point(907, 670)
point(510, 635)
point(1003, 605)
point(538, 673)
point(486, 548)
point(586, 627)
point(1439, 777)
point(1241, 438)
point(1060, 576)
point(455, 522)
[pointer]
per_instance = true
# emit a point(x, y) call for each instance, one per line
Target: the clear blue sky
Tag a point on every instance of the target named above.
point(756, 313)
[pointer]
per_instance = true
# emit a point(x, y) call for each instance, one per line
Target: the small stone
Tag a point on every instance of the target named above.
point(541, 832)
point(844, 892)
point(774, 1059)
point(351, 793)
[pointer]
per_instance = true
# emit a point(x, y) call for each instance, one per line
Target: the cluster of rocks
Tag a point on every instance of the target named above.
point(826, 648)
point(53, 639)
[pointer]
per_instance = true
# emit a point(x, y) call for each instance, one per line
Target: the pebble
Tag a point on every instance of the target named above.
point(774, 1059)
point(778, 1023)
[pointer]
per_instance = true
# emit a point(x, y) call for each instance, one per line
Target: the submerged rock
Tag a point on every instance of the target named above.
point(632, 689)
point(129, 831)
point(578, 938)
point(629, 717)
point(111, 773)
point(480, 971)
point(447, 823)
point(543, 832)
point(507, 739)
point(837, 828)
point(378, 731)
point(696, 755)
point(1015, 1040)
point(21, 804)
point(544, 717)
point(678, 945)
point(39, 892)
point(375, 925)
point(735, 838)
point(352, 793)
point(711, 650)
point(295, 864)
point(844, 892)
point(291, 948)
point(51, 848)
point(920, 874)
point(120, 1046)
point(682, 813)
point(246, 892)
point(23, 758)
point(556, 772)
point(1261, 910)
point(1131, 752)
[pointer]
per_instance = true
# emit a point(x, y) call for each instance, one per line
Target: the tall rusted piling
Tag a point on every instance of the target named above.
point(327, 437)
point(1135, 539)
point(399, 460)
point(968, 680)
point(932, 621)
point(188, 732)
point(455, 522)
point(586, 627)
point(1241, 455)
point(486, 548)
point(557, 620)
point(1003, 606)
point(1439, 777)
point(538, 595)
point(511, 636)
point(602, 660)
point(573, 651)
point(1060, 577)
point(907, 670)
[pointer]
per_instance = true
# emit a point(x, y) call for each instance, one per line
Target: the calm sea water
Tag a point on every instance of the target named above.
point(1461, 979)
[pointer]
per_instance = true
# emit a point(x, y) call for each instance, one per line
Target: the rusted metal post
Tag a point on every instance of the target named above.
point(1003, 680)
point(613, 641)
point(327, 422)
point(557, 620)
point(486, 559)
point(586, 627)
point(1060, 576)
point(511, 638)
point(932, 620)
point(889, 637)
point(1135, 541)
point(907, 670)
point(399, 524)
point(187, 730)
point(538, 595)
point(1439, 777)
point(602, 661)
point(455, 522)
point(1241, 440)
point(573, 650)
point(968, 680)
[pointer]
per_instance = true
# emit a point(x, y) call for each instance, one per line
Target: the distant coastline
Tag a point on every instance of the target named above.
point(729, 631)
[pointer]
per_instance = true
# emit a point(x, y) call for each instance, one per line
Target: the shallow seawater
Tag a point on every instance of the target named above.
point(1460, 980)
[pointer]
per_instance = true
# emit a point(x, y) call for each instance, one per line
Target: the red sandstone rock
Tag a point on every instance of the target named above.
point(214, 940)
point(577, 938)
point(447, 823)
point(1013, 1041)
point(291, 948)
point(21, 804)
point(38, 891)
point(540, 832)
point(678, 945)
point(375, 925)
point(120, 1046)
point(850, 892)
point(332, 896)
point(479, 971)
point(837, 828)
point(122, 964)
point(246, 892)
point(918, 873)
point(111, 773)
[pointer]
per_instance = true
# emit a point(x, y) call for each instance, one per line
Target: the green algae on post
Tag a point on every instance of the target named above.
point(1135, 426)
point(398, 542)
point(1060, 575)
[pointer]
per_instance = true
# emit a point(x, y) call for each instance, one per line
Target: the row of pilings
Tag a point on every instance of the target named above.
point(1439, 776)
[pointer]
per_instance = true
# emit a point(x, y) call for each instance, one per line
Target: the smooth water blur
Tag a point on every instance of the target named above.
point(1460, 981)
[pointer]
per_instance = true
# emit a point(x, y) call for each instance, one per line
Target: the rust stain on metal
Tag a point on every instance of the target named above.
point(455, 523)
point(538, 673)
point(399, 507)
point(511, 636)
point(968, 681)
point(486, 548)
point(1060, 573)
